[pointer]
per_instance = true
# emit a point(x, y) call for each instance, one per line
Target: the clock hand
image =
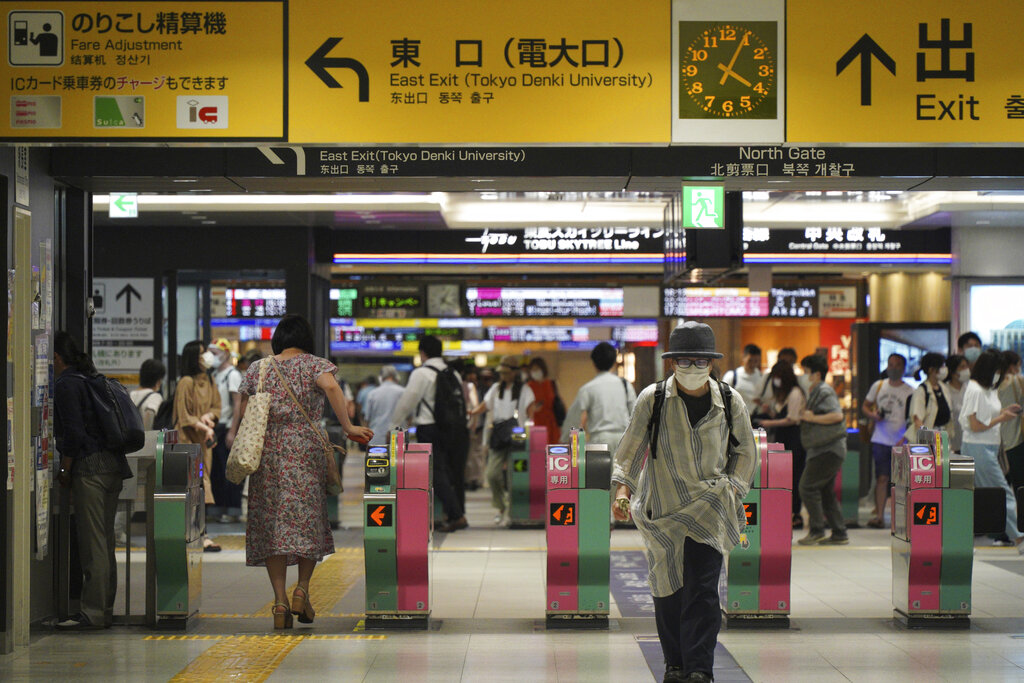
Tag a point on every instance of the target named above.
point(727, 70)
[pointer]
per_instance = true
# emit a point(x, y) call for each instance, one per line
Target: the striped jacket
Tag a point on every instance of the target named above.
point(685, 490)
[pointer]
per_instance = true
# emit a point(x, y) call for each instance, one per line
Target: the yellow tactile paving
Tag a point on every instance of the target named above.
point(230, 541)
point(248, 658)
point(331, 580)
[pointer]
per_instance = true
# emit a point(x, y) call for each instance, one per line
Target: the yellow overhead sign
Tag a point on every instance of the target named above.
point(146, 70)
point(916, 71)
point(449, 71)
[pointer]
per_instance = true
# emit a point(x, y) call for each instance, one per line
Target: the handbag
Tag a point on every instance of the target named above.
point(501, 433)
point(247, 449)
point(558, 405)
point(334, 485)
point(818, 435)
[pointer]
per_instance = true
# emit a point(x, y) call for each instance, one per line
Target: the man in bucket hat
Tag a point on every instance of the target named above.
point(685, 495)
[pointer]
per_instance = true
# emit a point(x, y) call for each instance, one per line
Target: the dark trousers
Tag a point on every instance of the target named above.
point(226, 496)
point(457, 474)
point(818, 488)
point(1015, 477)
point(95, 501)
point(689, 619)
point(442, 468)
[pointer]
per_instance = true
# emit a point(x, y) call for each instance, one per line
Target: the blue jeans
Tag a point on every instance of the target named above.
point(988, 474)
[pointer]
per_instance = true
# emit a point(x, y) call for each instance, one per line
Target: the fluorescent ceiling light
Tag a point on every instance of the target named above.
point(277, 202)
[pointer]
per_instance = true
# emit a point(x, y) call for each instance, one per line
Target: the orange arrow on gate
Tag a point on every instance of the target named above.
point(378, 515)
point(557, 514)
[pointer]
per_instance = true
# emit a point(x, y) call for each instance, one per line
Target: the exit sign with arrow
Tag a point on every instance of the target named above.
point(124, 205)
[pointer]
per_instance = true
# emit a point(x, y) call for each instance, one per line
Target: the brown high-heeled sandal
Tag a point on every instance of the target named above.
point(301, 606)
point(282, 618)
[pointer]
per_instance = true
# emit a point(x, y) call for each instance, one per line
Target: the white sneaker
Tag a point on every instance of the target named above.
point(497, 519)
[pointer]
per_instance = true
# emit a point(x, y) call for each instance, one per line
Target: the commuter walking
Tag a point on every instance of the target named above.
point(196, 412)
point(686, 495)
point(886, 404)
point(147, 398)
point(545, 391)
point(381, 402)
point(823, 436)
point(785, 409)
point(476, 459)
point(1011, 392)
point(930, 403)
point(980, 418)
point(748, 379)
point(969, 346)
point(450, 444)
point(95, 476)
point(958, 374)
point(508, 403)
point(287, 517)
point(227, 496)
point(603, 405)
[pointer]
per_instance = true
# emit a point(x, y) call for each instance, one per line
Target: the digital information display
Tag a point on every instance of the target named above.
point(497, 302)
point(794, 302)
point(254, 303)
point(390, 301)
point(713, 302)
point(345, 301)
point(926, 514)
point(538, 334)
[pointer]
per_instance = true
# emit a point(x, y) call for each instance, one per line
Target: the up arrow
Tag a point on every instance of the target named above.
point(127, 291)
point(865, 48)
point(319, 62)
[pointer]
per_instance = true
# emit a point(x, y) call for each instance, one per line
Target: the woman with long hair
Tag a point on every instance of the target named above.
point(786, 407)
point(287, 515)
point(980, 417)
point(196, 412)
point(958, 374)
point(931, 400)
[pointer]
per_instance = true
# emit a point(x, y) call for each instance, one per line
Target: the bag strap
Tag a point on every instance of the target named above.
point(139, 404)
point(323, 439)
point(424, 399)
point(654, 425)
point(733, 442)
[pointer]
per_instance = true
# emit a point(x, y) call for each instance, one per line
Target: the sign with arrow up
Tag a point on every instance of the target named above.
point(123, 327)
point(918, 71)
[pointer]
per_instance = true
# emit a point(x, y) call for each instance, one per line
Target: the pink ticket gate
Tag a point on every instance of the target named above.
point(755, 585)
point(397, 533)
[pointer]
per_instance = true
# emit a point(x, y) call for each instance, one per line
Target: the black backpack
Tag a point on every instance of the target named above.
point(164, 418)
point(116, 414)
point(450, 408)
point(654, 424)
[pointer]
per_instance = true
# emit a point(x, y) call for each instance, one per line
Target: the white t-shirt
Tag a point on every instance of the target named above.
point(985, 406)
point(891, 402)
point(227, 382)
point(146, 399)
point(502, 407)
point(748, 384)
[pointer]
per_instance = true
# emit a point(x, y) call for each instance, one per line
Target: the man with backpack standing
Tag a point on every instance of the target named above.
point(686, 495)
point(434, 401)
point(748, 379)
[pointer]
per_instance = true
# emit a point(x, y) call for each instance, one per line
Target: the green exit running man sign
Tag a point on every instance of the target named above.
point(703, 206)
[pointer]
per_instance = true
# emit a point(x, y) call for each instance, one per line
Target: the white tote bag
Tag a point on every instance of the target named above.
point(247, 448)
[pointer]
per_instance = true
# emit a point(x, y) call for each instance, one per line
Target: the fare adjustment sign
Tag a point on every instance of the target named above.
point(149, 70)
point(922, 71)
point(458, 70)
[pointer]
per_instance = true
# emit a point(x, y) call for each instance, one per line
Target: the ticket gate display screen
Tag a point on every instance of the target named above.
point(563, 514)
point(926, 514)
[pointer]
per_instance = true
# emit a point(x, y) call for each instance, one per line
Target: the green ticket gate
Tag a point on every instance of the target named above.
point(179, 520)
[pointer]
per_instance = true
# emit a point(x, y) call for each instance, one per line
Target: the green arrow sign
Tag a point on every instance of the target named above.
point(123, 205)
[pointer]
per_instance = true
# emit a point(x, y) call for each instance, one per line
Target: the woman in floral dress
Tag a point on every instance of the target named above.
point(287, 521)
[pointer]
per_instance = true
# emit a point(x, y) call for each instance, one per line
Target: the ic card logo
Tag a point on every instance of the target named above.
point(202, 111)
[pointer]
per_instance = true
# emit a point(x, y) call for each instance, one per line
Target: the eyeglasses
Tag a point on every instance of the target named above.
point(695, 362)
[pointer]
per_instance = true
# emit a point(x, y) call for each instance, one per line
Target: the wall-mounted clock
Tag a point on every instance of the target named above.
point(443, 301)
point(728, 70)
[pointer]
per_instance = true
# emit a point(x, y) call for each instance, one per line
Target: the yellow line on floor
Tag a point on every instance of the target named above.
point(262, 616)
point(332, 580)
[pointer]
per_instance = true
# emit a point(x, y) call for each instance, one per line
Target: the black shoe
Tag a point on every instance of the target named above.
point(457, 524)
point(798, 522)
point(78, 622)
point(835, 539)
point(674, 674)
point(698, 677)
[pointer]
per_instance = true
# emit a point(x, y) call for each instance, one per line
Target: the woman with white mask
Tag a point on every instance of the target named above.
point(958, 374)
point(931, 401)
point(1011, 392)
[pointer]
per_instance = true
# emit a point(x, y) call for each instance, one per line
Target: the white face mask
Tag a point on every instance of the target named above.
point(211, 360)
point(537, 375)
point(997, 379)
point(972, 354)
point(692, 378)
point(943, 373)
point(963, 376)
point(776, 382)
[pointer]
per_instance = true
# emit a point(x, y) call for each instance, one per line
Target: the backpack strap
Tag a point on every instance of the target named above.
point(654, 424)
point(733, 441)
point(423, 400)
point(139, 404)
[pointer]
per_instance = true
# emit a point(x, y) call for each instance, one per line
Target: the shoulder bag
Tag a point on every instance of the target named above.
point(334, 486)
point(247, 448)
point(813, 435)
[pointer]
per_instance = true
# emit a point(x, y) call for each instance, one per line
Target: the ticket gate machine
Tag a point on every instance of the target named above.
point(526, 467)
point(932, 533)
point(179, 521)
point(397, 533)
point(578, 534)
point(755, 584)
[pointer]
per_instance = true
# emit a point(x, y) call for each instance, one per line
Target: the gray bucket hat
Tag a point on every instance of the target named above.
point(692, 339)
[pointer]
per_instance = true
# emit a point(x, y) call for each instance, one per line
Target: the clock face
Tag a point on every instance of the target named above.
point(443, 301)
point(728, 70)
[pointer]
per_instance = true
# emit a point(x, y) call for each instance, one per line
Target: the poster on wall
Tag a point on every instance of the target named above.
point(837, 302)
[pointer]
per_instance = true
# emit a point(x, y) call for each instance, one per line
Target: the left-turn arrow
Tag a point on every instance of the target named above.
point(319, 62)
point(378, 515)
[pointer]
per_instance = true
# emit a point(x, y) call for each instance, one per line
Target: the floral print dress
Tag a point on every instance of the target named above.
point(287, 500)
